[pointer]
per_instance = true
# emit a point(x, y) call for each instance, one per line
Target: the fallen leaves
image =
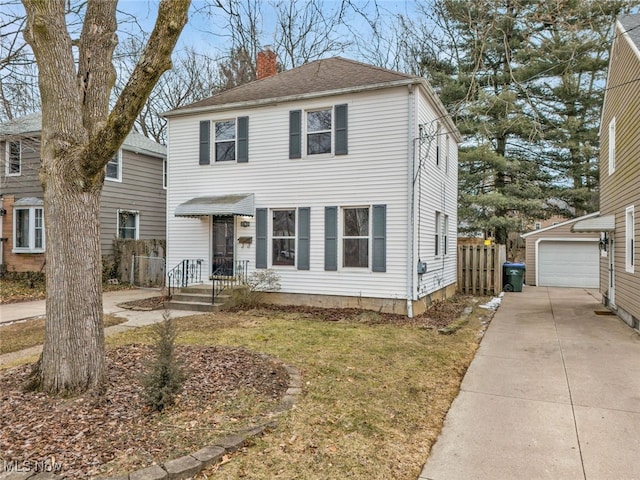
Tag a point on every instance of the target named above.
point(85, 434)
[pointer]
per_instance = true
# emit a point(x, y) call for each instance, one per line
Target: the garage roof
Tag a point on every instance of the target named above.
point(573, 220)
point(605, 223)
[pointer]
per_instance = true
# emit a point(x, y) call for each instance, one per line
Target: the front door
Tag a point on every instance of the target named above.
point(222, 245)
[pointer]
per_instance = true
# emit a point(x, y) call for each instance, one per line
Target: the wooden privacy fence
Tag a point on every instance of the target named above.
point(480, 269)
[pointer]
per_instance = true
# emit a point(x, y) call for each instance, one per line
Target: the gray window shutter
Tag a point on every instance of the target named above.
point(304, 227)
point(205, 142)
point(331, 238)
point(341, 130)
point(243, 139)
point(295, 134)
point(379, 238)
point(261, 238)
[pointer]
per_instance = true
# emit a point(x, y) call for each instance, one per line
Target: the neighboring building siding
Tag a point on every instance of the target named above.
point(27, 184)
point(561, 231)
point(373, 172)
point(620, 190)
point(141, 191)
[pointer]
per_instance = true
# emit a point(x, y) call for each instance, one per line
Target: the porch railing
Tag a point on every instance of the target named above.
point(187, 272)
point(227, 275)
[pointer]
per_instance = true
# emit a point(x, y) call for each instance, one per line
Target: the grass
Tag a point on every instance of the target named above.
point(25, 334)
point(374, 400)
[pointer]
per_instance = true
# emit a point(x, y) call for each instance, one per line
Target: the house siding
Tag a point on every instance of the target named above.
point(620, 190)
point(563, 232)
point(141, 191)
point(374, 172)
point(436, 190)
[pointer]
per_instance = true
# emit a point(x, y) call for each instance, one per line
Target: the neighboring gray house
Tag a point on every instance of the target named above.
point(133, 204)
point(620, 175)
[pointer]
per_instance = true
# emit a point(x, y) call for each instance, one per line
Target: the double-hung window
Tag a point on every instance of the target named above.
point(128, 224)
point(438, 234)
point(113, 170)
point(319, 131)
point(13, 158)
point(28, 229)
point(225, 140)
point(323, 130)
point(283, 237)
point(630, 238)
point(612, 146)
point(355, 237)
point(445, 235)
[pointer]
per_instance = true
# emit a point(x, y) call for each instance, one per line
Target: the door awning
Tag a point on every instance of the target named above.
point(603, 223)
point(240, 204)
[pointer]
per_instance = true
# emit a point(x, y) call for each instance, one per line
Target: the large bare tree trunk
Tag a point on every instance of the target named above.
point(79, 137)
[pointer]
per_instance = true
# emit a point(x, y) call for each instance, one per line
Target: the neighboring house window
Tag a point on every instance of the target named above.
point(438, 233)
point(28, 229)
point(445, 236)
point(225, 141)
point(612, 146)
point(355, 237)
point(319, 132)
point(164, 173)
point(114, 168)
point(537, 226)
point(630, 238)
point(325, 131)
point(283, 237)
point(128, 224)
point(446, 153)
point(13, 156)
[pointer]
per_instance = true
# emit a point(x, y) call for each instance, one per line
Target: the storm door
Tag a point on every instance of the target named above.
point(222, 245)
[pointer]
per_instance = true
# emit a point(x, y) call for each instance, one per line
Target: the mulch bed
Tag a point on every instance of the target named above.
point(439, 314)
point(83, 434)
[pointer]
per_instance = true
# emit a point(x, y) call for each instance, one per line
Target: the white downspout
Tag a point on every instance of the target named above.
point(410, 200)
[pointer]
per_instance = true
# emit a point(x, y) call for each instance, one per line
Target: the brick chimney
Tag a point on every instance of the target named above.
point(266, 63)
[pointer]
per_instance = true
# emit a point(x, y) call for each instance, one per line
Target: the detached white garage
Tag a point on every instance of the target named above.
point(557, 257)
point(568, 263)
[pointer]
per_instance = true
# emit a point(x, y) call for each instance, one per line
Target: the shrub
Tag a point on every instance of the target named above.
point(164, 375)
point(258, 283)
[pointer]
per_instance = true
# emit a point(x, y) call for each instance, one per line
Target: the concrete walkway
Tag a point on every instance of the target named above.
point(553, 393)
point(24, 311)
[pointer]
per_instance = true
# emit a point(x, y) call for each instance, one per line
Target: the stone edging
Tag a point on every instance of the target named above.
point(189, 465)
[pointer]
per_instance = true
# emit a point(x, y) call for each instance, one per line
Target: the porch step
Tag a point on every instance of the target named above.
point(203, 297)
point(198, 299)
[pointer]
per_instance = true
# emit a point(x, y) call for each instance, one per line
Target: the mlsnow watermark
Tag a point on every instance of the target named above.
point(32, 466)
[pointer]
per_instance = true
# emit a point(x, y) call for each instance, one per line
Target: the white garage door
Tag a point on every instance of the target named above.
point(568, 264)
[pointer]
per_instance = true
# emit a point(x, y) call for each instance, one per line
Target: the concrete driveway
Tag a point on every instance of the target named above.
point(553, 393)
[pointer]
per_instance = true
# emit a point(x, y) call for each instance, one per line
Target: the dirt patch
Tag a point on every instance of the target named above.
point(227, 389)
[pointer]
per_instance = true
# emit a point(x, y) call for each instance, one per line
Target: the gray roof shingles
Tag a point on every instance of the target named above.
point(33, 123)
point(319, 76)
point(631, 24)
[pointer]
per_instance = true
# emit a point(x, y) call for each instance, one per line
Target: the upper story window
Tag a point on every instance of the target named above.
point(445, 236)
point(319, 131)
point(612, 146)
point(113, 170)
point(283, 237)
point(225, 140)
point(230, 141)
point(13, 158)
point(324, 132)
point(537, 225)
point(630, 238)
point(438, 149)
point(128, 224)
point(28, 228)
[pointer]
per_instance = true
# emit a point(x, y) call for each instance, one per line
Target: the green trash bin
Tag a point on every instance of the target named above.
point(512, 276)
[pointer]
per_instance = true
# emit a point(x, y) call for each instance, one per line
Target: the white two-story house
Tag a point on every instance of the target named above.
point(338, 175)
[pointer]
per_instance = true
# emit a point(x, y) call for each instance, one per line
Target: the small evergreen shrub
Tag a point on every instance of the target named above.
point(164, 375)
